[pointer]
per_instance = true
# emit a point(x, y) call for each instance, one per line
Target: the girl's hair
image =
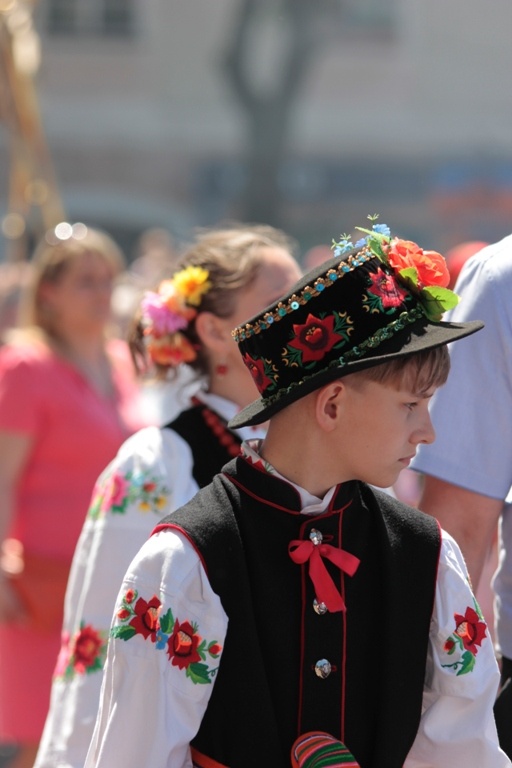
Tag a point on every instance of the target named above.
point(231, 258)
point(418, 371)
point(53, 256)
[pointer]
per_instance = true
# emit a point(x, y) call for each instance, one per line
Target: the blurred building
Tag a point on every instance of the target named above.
point(401, 111)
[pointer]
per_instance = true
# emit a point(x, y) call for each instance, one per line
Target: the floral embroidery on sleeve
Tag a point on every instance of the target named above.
point(185, 648)
point(464, 642)
point(115, 492)
point(83, 653)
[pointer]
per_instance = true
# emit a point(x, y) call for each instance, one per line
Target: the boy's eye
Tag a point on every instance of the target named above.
point(411, 406)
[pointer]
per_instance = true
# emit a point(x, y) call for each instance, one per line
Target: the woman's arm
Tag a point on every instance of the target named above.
point(14, 450)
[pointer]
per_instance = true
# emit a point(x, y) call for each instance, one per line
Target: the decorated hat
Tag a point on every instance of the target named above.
point(318, 749)
point(374, 301)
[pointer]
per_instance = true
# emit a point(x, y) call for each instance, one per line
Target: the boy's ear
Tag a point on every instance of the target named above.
point(329, 402)
point(213, 331)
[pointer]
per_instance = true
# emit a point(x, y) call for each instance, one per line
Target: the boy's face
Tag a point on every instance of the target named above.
point(383, 424)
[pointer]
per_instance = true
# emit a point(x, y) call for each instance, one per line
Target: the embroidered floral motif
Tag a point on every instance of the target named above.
point(315, 338)
point(470, 631)
point(259, 371)
point(83, 653)
point(185, 648)
point(115, 492)
point(387, 290)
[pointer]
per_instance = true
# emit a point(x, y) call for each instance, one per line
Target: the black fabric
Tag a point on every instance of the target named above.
point(503, 708)
point(266, 692)
point(208, 452)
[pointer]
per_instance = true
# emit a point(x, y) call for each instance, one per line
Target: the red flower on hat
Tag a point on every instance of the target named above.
point(387, 289)
point(257, 371)
point(430, 265)
point(145, 622)
point(470, 629)
point(182, 645)
point(315, 337)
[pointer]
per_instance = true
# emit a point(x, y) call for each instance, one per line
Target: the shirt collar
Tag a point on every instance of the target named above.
point(310, 504)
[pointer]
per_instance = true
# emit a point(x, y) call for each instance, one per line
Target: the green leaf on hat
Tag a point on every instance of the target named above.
point(410, 276)
point(436, 300)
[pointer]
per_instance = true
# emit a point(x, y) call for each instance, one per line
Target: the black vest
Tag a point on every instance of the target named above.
point(209, 450)
point(266, 691)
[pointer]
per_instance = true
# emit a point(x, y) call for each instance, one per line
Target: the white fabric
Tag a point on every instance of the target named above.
point(154, 459)
point(472, 413)
point(150, 709)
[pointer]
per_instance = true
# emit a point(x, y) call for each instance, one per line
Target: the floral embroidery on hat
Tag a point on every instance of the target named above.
point(386, 290)
point(260, 371)
point(83, 653)
point(464, 642)
point(116, 491)
point(316, 337)
point(185, 648)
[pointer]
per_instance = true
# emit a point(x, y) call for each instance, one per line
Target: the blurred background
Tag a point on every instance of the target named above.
point(162, 115)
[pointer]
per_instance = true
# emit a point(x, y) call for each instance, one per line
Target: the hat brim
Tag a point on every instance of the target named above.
point(416, 338)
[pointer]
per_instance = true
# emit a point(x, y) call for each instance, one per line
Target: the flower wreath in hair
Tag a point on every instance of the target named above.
point(424, 273)
point(166, 313)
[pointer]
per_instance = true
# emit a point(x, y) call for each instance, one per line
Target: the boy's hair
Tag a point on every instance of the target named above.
point(419, 371)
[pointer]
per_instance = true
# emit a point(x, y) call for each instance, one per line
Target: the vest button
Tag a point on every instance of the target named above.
point(315, 536)
point(319, 608)
point(323, 668)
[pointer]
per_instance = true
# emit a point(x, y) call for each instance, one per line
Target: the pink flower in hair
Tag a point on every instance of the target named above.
point(159, 317)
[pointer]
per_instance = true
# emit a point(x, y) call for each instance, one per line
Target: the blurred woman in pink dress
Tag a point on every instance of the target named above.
point(68, 399)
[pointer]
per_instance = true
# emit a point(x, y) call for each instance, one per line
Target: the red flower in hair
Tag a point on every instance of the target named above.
point(387, 289)
point(257, 371)
point(315, 338)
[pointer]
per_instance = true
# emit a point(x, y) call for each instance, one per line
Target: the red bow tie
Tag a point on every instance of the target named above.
point(313, 550)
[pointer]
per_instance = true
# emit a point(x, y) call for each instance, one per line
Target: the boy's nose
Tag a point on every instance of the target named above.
point(428, 434)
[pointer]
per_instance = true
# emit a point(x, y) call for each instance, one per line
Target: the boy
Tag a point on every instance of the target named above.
point(290, 597)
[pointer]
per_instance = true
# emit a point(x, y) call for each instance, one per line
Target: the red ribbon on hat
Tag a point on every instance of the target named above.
point(325, 588)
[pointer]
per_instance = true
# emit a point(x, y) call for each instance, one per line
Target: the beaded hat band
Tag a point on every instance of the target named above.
point(345, 315)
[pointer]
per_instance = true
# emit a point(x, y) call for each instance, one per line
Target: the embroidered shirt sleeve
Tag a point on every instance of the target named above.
point(164, 652)
point(457, 724)
point(150, 476)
